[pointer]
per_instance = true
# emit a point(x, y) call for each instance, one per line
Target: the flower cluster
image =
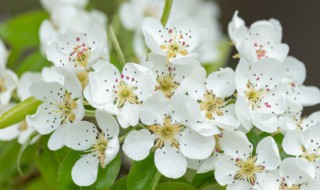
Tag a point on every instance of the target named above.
point(170, 106)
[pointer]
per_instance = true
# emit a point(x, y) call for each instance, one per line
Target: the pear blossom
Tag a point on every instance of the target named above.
point(260, 94)
point(294, 78)
point(101, 145)
point(8, 83)
point(25, 82)
point(262, 40)
point(62, 105)
point(120, 94)
point(79, 51)
point(239, 169)
point(169, 134)
point(170, 79)
point(213, 95)
point(296, 174)
point(304, 145)
point(177, 42)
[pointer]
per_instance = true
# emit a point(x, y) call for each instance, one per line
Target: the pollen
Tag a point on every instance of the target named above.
point(80, 55)
point(166, 133)
point(255, 96)
point(212, 105)
point(247, 170)
point(167, 84)
point(99, 148)
point(125, 93)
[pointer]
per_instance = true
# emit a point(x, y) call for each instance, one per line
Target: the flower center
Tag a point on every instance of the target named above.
point(212, 105)
point(80, 55)
point(261, 53)
point(311, 157)
point(167, 85)
point(176, 45)
point(23, 126)
point(3, 87)
point(255, 96)
point(99, 148)
point(166, 133)
point(125, 93)
point(248, 169)
point(66, 108)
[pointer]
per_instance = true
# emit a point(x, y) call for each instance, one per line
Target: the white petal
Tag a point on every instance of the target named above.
point(9, 133)
point(56, 139)
point(236, 144)
point(225, 170)
point(170, 162)
point(239, 185)
point(71, 82)
point(265, 121)
point(111, 150)
point(107, 123)
point(26, 80)
point(85, 170)
point(205, 128)
point(196, 83)
point(242, 112)
point(309, 95)
point(137, 144)
point(267, 181)
point(196, 146)
point(292, 143)
point(44, 120)
point(47, 91)
point(268, 154)
point(279, 52)
point(208, 164)
point(154, 109)
point(129, 115)
point(241, 75)
point(80, 136)
point(221, 83)
point(296, 70)
point(296, 170)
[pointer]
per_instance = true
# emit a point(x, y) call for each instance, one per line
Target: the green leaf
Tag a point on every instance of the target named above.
point(201, 180)
point(23, 30)
point(106, 177)
point(175, 186)
point(143, 175)
point(121, 184)
point(47, 165)
point(19, 112)
point(65, 181)
point(33, 63)
point(253, 138)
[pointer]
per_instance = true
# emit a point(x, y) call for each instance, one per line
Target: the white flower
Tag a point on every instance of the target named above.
point(80, 50)
point(102, 146)
point(294, 78)
point(3, 55)
point(296, 174)
point(120, 94)
point(51, 4)
point(64, 18)
point(304, 144)
point(260, 94)
point(8, 82)
point(296, 122)
point(262, 40)
point(169, 134)
point(239, 169)
point(178, 41)
point(213, 95)
point(170, 79)
point(62, 105)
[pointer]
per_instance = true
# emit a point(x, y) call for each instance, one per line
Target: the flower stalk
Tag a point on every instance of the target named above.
point(166, 12)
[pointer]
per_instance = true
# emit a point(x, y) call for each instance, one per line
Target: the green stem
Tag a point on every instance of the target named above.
point(156, 180)
point(166, 12)
point(117, 46)
point(90, 113)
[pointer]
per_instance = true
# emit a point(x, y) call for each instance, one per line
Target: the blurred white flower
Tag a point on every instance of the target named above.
point(8, 83)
